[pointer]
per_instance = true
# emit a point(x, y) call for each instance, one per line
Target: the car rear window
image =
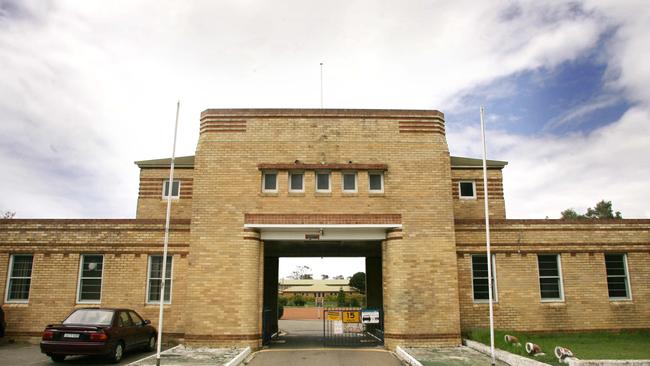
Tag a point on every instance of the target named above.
point(90, 316)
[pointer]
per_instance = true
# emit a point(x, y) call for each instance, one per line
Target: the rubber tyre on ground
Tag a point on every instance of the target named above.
point(58, 358)
point(117, 353)
point(151, 344)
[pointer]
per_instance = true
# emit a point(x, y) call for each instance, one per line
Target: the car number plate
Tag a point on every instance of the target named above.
point(71, 335)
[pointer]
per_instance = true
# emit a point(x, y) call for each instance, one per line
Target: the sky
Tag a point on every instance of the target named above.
point(86, 88)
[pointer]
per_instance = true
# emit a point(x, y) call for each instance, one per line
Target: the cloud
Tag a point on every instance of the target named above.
point(578, 114)
point(89, 87)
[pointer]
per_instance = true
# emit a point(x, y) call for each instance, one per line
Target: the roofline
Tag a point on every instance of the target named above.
point(319, 112)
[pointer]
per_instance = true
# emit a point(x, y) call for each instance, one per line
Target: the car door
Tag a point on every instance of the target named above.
point(141, 332)
point(127, 329)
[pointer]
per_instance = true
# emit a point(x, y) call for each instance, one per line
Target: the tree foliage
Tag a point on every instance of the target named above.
point(340, 298)
point(7, 215)
point(302, 273)
point(602, 210)
point(358, 282)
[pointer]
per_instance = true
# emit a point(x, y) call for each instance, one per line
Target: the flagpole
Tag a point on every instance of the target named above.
point(166, 240)
point(321, 85)
point(487, 239)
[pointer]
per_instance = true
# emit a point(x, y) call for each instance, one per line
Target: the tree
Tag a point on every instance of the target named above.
point(324, 277)
point(339, 277)
point(302, 273)
point(7, 215)
point(340, 298)
point(602, 210)
point(358, 281)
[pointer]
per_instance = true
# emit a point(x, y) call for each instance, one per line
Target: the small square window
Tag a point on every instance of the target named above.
point(467, 190)
point(270, 182)
point(349, 182)
point(322, 181)
point(376, 182)
point(296, 182)
point(176, 189)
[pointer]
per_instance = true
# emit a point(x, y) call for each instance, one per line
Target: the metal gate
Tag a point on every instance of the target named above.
point(353, 327)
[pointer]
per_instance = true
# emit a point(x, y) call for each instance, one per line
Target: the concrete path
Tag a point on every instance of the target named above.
point(324, 357)
point(453, 356)
point(299, 334)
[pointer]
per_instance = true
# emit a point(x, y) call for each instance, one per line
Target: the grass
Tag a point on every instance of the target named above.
point(587, 346)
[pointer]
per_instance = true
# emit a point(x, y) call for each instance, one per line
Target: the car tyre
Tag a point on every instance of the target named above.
point(151, 344)
point(58, 358)
point(117, 353)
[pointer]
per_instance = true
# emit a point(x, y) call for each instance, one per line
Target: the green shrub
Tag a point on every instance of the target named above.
point(298, 300)
point(354, 302)
point(283, 300)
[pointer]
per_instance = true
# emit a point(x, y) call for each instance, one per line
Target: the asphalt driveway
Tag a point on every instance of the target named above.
point(26, 354)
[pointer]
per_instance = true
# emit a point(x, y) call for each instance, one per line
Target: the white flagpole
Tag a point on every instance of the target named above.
point(166, 241)
point(487, 239)
point(321, 85)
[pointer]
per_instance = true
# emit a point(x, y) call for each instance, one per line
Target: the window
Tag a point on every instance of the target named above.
point(176, 189)
point(136, 318)
point(550, 277)
point(618, 283)
point(480, 278)
point(20, 277)
point(90, 278)
point(270, 182)
point(124, 320)
point(155, 279)
point(467, 190)
point(375, 182)
point(322, 181)
point(296, 182)
point(349, 181)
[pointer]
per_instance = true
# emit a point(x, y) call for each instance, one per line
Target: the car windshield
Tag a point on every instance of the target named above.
point(90, 316)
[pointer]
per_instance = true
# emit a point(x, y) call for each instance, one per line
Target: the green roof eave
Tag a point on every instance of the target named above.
point(179, 162)
point(458, 162)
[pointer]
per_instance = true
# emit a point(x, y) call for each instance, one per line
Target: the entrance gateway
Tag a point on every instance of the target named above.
point(351, 327)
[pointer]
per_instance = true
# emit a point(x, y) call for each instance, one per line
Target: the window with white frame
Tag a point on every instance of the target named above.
point(349, 181)
point(270, 181)
point(296, 182)
point(323, 181)
point(550, 277)
point(90, 278)
point(480, 278)
point(176, 189)
point(618, 283)
point(154, 280)
point(467, 190)
point(20, 277)
point(376, 182)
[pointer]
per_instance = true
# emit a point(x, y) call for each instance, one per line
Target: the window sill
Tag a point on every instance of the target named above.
point(152, 304)
point(485, 302)
point(621, 301)
point(465, 199)
point(16, 303)
point(552, 302)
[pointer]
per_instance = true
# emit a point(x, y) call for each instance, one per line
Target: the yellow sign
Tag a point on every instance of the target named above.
point(352, 317)
point(334, 315)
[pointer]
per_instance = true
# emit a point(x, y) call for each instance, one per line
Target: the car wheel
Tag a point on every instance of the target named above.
point(118, 352)
point(151, 345)
point(58, 358)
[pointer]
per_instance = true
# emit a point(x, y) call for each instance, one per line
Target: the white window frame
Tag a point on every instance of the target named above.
point(329, 181)
point(381, 175)
point(9, 277)
point(264, 174)
point(495, 296)
point(559, 277)
point(628, 284)
point(171, 280)
point(164, 191)
point(291, 174)
point(460, 192)
point(79, 278)
point(356, 182)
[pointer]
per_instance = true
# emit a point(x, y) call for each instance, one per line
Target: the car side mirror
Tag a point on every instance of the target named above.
point(147, 322)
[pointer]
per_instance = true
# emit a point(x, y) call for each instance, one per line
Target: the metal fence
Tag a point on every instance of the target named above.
point(353, 327)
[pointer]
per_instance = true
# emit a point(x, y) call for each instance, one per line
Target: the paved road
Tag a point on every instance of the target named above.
point(324, 357)
point(24, 354)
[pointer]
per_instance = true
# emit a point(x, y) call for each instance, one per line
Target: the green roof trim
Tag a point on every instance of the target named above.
point(179, 162)
point(188, 162)
point(461, 162)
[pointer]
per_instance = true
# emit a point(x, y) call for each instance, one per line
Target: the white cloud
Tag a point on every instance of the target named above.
point(89, 87)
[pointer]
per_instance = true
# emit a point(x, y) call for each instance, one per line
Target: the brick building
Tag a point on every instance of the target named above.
point(379, 184)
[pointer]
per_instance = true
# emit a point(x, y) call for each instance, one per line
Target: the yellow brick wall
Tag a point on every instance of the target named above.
point(581, 246)
point(151, 205)
point(475, 208)
point(57, 245)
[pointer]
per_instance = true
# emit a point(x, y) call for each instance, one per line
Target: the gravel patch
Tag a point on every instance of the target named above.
point(183, 355)
point(453, 356)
